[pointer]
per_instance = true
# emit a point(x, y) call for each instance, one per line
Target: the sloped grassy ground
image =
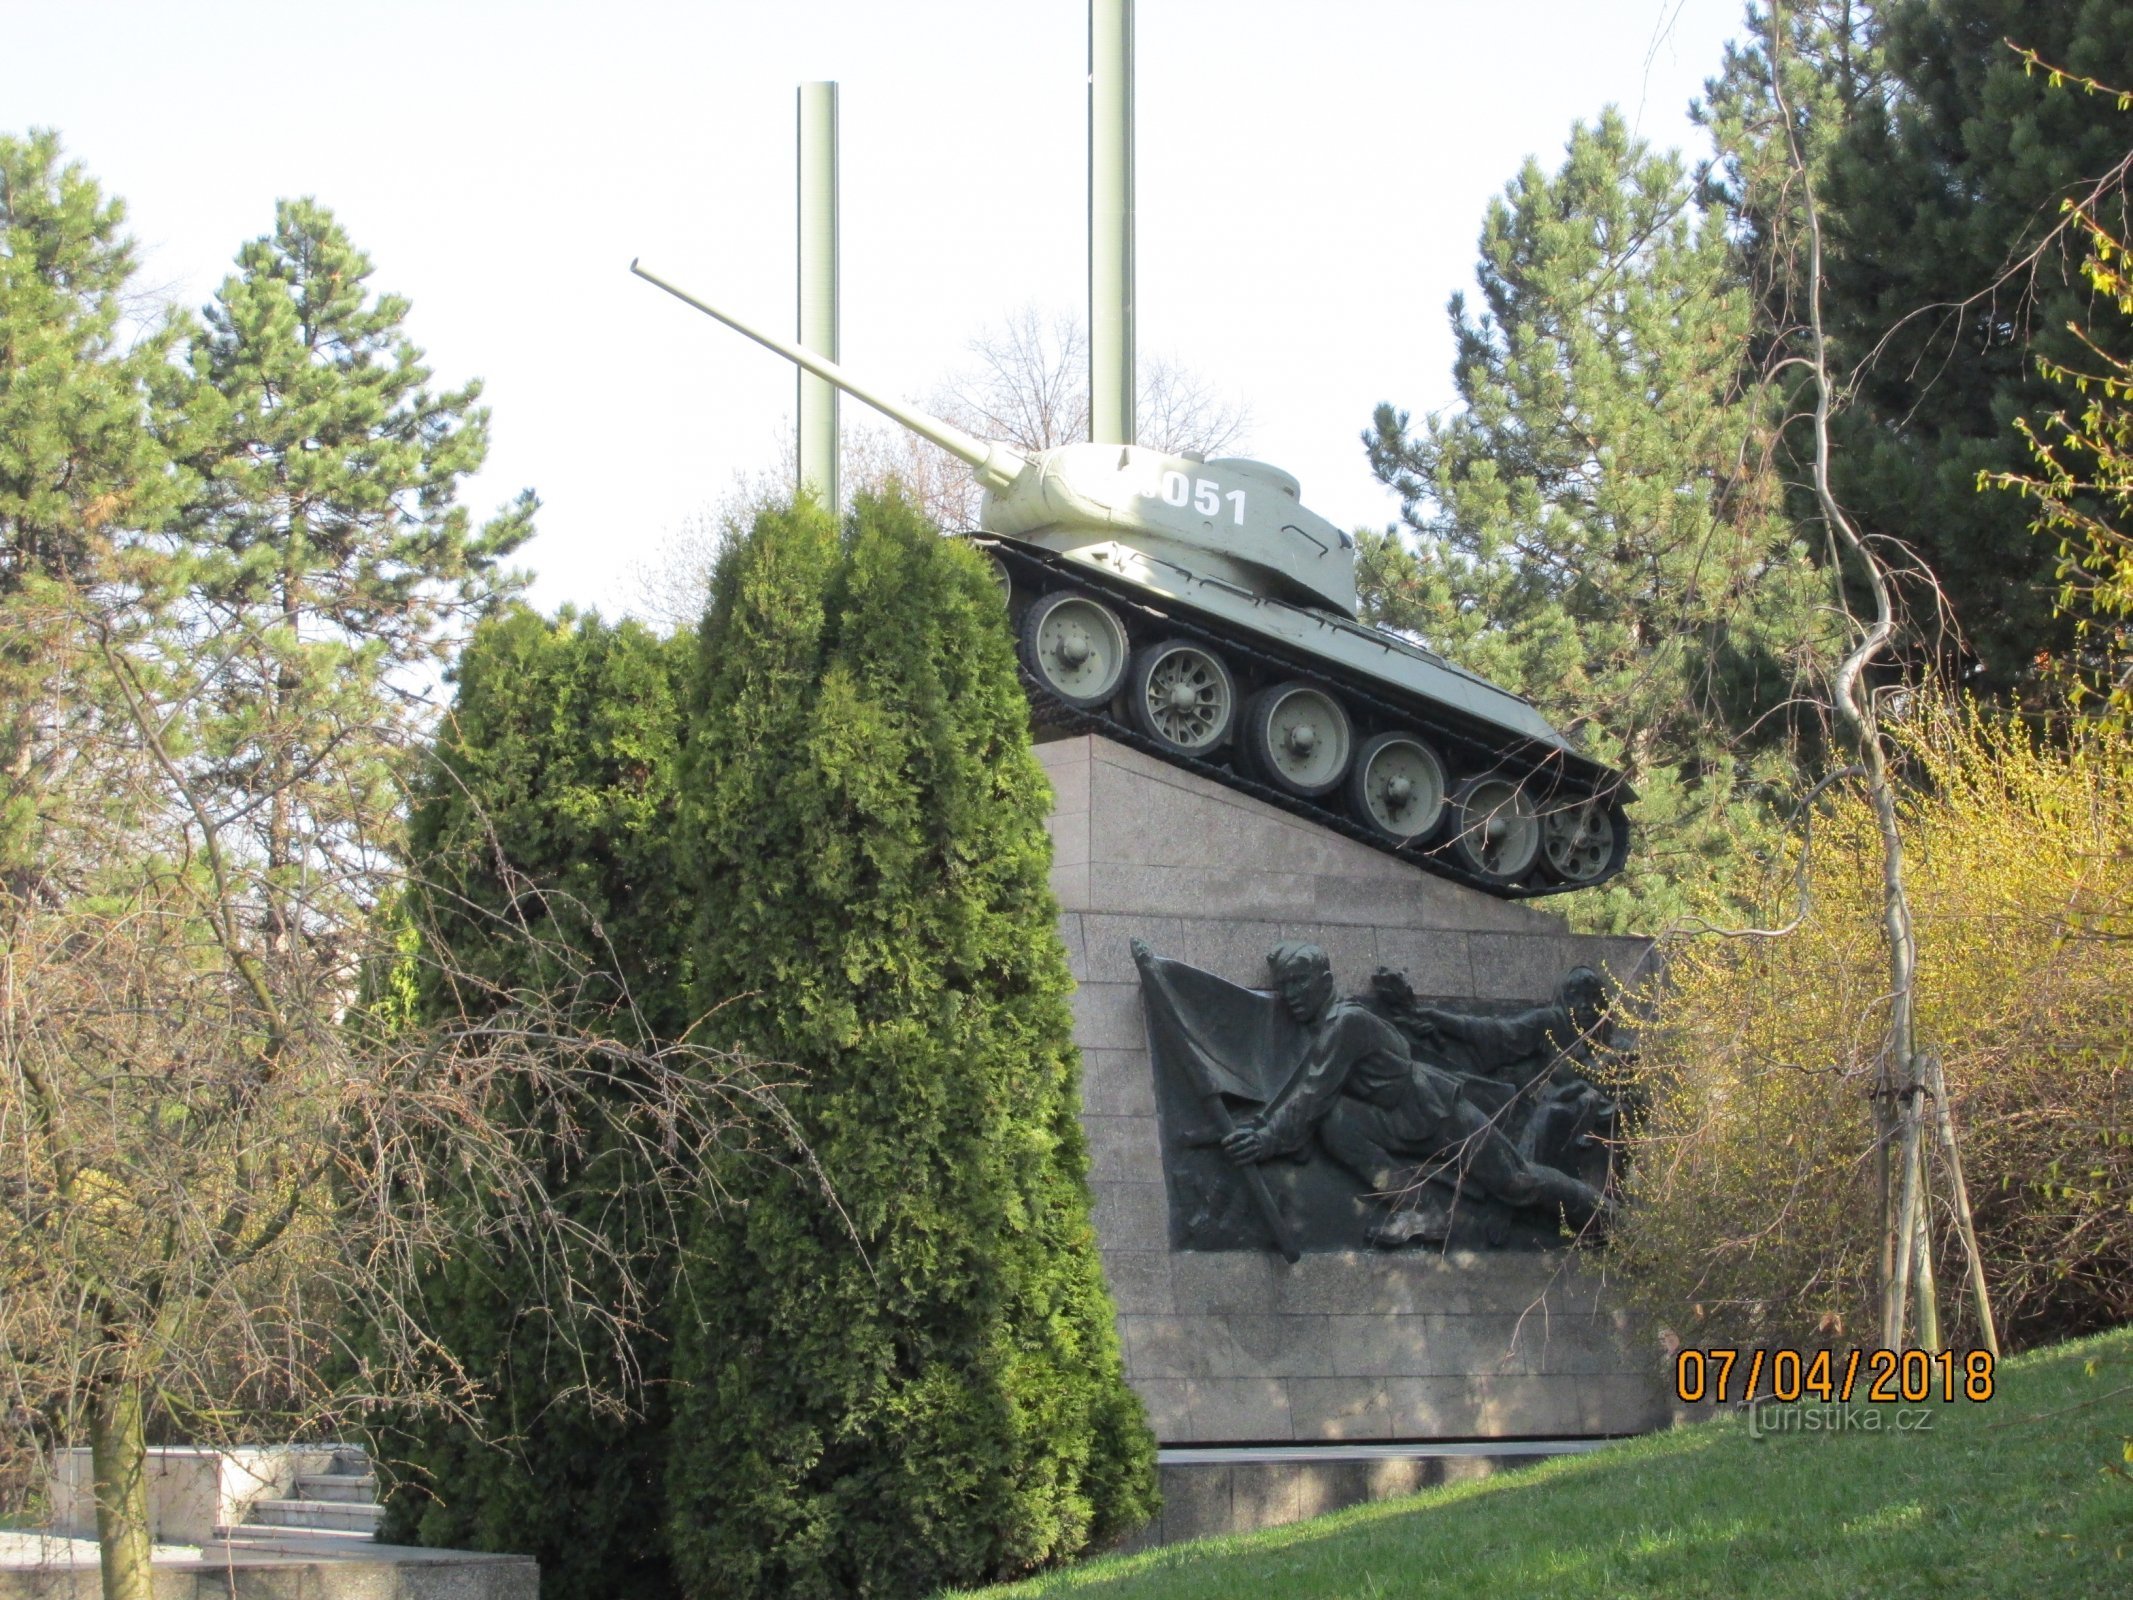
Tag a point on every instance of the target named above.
point(2025, 1495)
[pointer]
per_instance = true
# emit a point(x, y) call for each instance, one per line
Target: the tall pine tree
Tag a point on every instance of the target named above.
point(1939, 189)
point(1595, 526)
point(917, 1385)
point(326, 549)
point(1834, 74)
point(83, 470)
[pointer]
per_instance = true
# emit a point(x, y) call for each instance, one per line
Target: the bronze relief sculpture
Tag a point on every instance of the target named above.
point(1297, 1118)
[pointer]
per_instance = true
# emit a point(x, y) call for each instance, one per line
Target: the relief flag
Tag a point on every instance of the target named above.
point(1227, 1043)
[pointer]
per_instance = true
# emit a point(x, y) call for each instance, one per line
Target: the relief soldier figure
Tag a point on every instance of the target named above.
point(1336, 1077)
point(1530, 1069)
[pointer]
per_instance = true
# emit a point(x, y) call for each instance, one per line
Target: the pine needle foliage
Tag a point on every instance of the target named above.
point(82, 462)
point(1596, 524)
point(916, 1385)
point(1947, 291)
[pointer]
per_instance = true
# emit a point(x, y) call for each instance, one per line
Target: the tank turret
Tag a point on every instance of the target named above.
point(1198, 609)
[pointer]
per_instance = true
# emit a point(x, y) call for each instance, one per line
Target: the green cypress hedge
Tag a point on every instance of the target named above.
point(916, 1384)
point(556, 774)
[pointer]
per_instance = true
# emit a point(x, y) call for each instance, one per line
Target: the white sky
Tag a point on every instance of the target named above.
point(1311, 179)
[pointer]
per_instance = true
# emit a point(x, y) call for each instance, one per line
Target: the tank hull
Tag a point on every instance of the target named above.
point(1384, 682)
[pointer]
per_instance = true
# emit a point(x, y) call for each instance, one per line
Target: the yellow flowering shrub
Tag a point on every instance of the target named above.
point(1752, 1171)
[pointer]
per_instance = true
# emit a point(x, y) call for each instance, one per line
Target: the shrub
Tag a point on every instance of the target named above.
point(541, 851)
point(915, 1384)
point(1753, 1183)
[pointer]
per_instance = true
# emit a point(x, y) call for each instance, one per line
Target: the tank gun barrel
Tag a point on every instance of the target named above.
point(996, 465)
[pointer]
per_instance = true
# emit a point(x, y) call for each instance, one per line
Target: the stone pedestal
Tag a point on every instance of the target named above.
point(1238, 1348)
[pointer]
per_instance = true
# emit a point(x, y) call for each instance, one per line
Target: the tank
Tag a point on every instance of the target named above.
point(1196, 609)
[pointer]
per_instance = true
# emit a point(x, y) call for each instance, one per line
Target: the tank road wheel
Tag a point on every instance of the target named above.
point(1584, 840)
point(1397, 789)
point(1498, 833)
point(1182, 697)
point(1075, 646)
point(1299, 739)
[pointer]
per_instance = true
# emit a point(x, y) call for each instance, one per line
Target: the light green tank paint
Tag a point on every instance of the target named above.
point(1228, 538)
point(1233, 519)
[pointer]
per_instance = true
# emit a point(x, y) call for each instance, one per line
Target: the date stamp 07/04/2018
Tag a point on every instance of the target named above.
point(1881, 1377)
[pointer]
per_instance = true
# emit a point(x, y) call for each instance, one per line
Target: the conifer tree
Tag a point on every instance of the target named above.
point(918, 1385)
point(1834, 74)
point(1595, 526)
point(324, 544)
point(1941, 187)
point(82, 464)
point(77, 461)
point(542, 860)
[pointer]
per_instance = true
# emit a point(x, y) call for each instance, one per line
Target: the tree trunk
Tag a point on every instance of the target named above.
point(1965, 1220)
point(1926, 1291)
point(118, 1450)
point(1899, 1083)
point(1903, 1227)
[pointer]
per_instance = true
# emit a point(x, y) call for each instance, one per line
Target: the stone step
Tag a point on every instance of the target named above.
point(340, 1487)
point(336, 1516)
point(265, 1536)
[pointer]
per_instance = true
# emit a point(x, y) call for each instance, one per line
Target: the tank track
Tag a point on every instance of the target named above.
point(1034, 572)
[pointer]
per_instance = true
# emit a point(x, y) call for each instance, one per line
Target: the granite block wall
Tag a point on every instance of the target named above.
point(1241, 1348)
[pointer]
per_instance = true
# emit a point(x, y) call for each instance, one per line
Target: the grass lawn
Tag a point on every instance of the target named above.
point(2015, 1497)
